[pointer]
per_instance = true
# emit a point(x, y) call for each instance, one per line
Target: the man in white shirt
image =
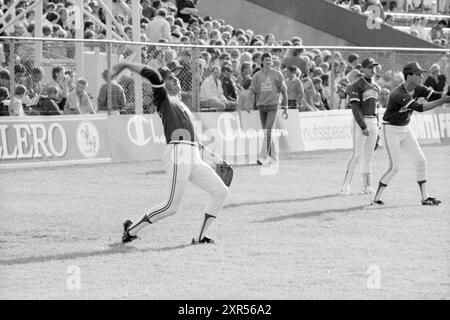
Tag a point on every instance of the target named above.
point(159, 27)
point(211, 92)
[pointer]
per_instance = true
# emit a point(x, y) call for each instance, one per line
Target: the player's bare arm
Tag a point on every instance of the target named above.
point(134, 67)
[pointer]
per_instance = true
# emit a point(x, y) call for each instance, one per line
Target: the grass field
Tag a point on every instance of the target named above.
point(286, 236)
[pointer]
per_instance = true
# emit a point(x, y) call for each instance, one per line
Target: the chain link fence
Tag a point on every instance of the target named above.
point(31, 62)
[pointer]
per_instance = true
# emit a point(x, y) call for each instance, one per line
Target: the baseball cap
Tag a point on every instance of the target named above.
point(412, 68)
point(369, 63)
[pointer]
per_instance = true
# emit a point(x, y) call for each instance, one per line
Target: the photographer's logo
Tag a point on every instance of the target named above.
point(374, 20)
point(88, 139)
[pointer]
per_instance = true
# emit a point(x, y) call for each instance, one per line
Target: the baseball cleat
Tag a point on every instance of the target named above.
point(345, 191)
point(431, 202)
point(379, 202)
point(126, 237)
point(205, 240)
point(368, 190)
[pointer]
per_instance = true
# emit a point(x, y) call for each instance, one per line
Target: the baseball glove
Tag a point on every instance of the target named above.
point(225, 172)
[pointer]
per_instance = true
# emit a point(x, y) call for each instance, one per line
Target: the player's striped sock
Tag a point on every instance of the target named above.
point(208, 220)
point(381, 187)
point(135, 227)
point(423, 189)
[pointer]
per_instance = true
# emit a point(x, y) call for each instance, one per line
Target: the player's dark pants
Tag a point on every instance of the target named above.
point(267, 115)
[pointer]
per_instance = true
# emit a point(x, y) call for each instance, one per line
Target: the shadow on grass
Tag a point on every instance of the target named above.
point(252, 203)
point(114, 248)
point(317, 213)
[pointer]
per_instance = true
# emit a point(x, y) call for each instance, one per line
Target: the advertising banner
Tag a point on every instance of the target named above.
point(425, 127)
point(50, 141)
point(136, 137)
point(326, 130)
point(444, 124)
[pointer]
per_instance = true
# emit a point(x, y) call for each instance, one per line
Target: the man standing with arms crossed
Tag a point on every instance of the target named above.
point(397, 134)
point(267, 84)
point(363, 97)
point(182, 161)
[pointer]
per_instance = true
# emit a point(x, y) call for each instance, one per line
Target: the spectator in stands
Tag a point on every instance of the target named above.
point(422, 31)
point(437, 31)
point(60, 81)
point(169, 6)
point(46, 31)
point(4, 95)
point(33, 83)
point(5, 78)
point(384, 97)
point(186, 9)
point(157, 60)
point(389, 20)
point(52, 19)
point(269, 40)
point(294, 87)
point(244, 100)
point(118, 99)
point(294, 58)
point(63, 20)
point(16, 104)
point(78, 101)
point(309, 93)
point(397, 79)
point(148, 11)
point(159, 28)
point(320, 99)
point(19, 74)
point(228, 85)
point(386, 80)
point(436, 80)
point(211, 93)
point(353, 60)
point(50, 104)
point(256, 58)
point(415, 26)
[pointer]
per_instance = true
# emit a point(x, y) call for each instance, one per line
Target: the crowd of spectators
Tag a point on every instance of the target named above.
point(419, 25)
point(223, 73)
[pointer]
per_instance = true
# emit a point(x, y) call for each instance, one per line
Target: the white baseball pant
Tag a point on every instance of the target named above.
point(182, 163)
point(398, 139)
point(363, 149)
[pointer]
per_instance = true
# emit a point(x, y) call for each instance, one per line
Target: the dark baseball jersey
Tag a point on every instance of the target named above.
point(363, 97)
point(174, 114)
point(402, 103)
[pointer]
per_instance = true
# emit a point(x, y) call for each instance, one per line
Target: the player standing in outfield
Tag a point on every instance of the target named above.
point(397, 134)
point(363, 97)
point(181, 159)
point(267, 84)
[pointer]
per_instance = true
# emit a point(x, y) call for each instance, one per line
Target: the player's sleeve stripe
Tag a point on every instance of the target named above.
point(354, 99)
point(157, 85)
point(431, 92)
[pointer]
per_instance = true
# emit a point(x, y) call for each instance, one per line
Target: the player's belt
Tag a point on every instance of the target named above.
point(370, 116)
point(183, 142)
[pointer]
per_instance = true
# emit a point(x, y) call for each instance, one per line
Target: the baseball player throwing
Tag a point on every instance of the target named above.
point(363, 98)
point(398, 137)
point(181, 160)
